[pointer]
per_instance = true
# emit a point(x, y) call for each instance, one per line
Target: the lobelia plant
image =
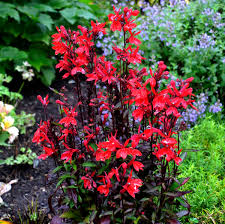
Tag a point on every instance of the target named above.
point(116, 145)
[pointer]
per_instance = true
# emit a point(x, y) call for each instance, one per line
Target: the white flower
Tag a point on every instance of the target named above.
point(20, 68)
point(8, 108)
point(1, 107)
point(26, 63)
point(14, 132)
point(28, 75)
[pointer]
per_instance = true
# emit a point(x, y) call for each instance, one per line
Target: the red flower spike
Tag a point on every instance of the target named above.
point(44, 101)
point(104, 189)
point(69, 119)
point(132, 185)
point(97, 27)
point(132, 39)
point(48, 152)
point(67, 156)
point(116, 20)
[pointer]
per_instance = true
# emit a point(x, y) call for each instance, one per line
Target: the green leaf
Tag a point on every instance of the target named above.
point(38, 57)
point(72, 214)
point(63, 177)
point(3, 137)
point(69, 14)
point(86, 14)
point(12, 53)
point(93, 146)
point(46, 20)
point(8, 10)
point(2, 162)
point(36, 33)
point(48, 75)
point(59, 4)
point(83, 5)
point(174, 186)
point(29, 10)
point(57, 169)
point(89, 164)
point(42, 7)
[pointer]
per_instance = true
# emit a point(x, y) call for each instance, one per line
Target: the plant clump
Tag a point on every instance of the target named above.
point(116, 144)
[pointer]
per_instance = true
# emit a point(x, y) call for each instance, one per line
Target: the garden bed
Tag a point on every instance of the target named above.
point(31, 181)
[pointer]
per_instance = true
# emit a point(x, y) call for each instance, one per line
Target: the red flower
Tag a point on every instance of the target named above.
point(97, 27)
point(116, 20)
point(44, 101)
point(48, 152)
point(104, 189)
point(132, 185)
point(102, 155)
point(138, 165)
point(41, 134)
point(68, 154)
point(132, 39)
point(88, 181)
point(69, 119)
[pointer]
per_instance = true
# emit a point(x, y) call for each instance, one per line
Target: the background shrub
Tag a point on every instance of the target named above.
point(26, 28)
point(189, 38)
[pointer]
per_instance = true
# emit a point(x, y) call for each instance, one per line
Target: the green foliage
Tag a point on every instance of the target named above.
point(26, 156)
point(26, 29)
point(206, 170)
point(5, 94)
point(30, 215)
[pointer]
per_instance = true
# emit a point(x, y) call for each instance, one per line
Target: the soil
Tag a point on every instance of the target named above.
point(32, 182)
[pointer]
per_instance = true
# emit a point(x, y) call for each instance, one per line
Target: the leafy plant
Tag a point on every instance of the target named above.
point(26, 27)
point(25, 156)
point(11, 124)
point(30, 215)
point(118, 134)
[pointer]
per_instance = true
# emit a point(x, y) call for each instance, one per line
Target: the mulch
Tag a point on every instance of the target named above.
point(33, 182)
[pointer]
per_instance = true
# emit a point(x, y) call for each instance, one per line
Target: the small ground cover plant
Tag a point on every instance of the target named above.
point(116, 144)
point(13, 124)
point(206, 169)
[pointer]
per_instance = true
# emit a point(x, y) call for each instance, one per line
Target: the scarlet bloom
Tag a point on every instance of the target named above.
point(115, 19)
point(69, 119)
point(48, 152)
point(138, 165)
point(88, 181)
point(97, 27)
point(44, 101)
point(41, 135)
point(67, 156)
point(132, 185)
point(104, 189)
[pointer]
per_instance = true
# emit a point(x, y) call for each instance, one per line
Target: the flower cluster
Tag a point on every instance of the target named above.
point(190, 116)
point(118, 93)
point(7, 121)
point(27, 71)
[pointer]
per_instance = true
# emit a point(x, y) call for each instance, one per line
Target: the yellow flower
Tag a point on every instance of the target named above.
point(5, 222)
point(7, 122)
